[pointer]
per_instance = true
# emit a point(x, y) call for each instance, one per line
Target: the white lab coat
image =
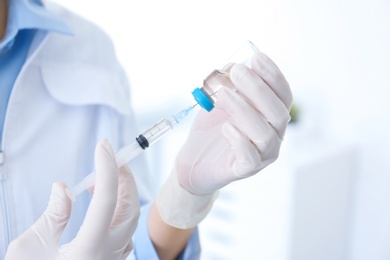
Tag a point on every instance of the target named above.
point(70, 94)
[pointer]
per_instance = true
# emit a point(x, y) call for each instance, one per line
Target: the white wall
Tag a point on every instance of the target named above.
point(335, 54)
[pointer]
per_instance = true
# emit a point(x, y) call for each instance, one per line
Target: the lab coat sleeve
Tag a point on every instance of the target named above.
point(144, 249)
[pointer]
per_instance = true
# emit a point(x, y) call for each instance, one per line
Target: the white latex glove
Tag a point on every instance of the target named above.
point(237, 139)
point(108, 226)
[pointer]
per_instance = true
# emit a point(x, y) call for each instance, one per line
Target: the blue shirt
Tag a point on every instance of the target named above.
point(24, 19)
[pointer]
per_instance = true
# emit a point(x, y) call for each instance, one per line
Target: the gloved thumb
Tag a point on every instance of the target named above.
point(56, 216)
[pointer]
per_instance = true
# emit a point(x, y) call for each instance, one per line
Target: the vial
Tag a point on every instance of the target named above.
point(206, 95)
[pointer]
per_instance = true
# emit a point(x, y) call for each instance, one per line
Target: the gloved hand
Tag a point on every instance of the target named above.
point(109, 224)
point(237, 139)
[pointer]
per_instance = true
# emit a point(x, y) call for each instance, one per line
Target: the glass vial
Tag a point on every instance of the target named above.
point(206, 95)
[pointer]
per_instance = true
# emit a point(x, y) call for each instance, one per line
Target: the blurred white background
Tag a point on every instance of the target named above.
point(328, 196)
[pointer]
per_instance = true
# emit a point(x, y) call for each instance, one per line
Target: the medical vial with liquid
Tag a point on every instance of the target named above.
point(206, 95)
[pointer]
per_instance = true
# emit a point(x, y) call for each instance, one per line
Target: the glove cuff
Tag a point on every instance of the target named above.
point(180, 208)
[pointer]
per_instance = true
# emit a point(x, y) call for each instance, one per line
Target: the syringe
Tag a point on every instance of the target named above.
point(129, 152)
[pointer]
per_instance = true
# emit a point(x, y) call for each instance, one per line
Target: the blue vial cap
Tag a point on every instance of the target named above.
point(202, 99)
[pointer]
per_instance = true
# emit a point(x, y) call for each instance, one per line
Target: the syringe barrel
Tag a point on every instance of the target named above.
point(127, 153)
point(155, 132)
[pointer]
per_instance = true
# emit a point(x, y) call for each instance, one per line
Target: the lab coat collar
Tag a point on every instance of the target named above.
point(83, 74)
point(32, 14)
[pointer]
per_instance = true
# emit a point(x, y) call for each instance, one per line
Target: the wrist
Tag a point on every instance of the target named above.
point(180, 208)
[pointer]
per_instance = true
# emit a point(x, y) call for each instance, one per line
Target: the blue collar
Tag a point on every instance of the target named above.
point(31, 14)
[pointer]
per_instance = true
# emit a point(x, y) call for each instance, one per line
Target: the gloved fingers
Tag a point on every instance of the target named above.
point(274, 78)
point(49, 227)
point(101, 209)
point(127, 209)
point(250, 121)
point(57, 214)
point(128, 206)
point(205, 120)
point(261, 97)
point(128, 249)
point(247, 158)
